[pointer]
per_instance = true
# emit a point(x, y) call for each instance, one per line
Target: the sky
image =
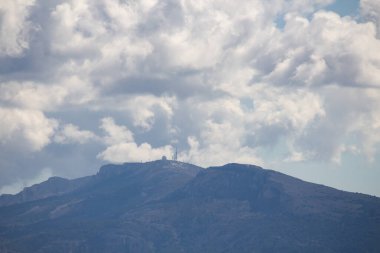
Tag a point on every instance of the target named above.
point(291, 86)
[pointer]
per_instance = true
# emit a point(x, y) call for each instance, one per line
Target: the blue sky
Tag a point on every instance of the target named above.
point(288, 85)
point(345, 7)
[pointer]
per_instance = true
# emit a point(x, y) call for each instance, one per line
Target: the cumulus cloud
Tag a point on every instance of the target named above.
point(326, 50)
point(290, 109)
point(114, 133)
point(31, 95)
point(371, 11)
point(348, 126)
point(46, 97)
point(142, 110)
point(250, 81)
point(122, 146)
point(237, 128)
point(131, 152)
point(25, 129)
point(14, 26)
point(72, 134)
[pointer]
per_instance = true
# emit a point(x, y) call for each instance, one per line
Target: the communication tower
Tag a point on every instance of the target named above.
point(175, 155)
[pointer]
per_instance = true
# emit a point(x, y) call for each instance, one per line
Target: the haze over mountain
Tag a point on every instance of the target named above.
point(169, 206)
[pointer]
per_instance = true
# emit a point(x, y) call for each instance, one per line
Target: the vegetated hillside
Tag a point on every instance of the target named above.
point(168, 206)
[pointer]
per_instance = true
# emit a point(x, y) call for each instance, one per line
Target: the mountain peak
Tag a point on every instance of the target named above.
point(170, 206)
point(118, 169)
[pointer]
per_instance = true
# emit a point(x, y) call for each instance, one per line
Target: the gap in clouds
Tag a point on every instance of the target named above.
point(345, 7)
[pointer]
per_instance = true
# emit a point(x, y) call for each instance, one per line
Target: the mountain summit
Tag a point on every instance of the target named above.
point(169, 206)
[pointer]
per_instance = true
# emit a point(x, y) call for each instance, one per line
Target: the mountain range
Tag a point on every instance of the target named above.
point(170, 206)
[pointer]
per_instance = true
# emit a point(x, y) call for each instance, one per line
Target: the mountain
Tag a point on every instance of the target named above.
point(52, 187)
point(169, 206)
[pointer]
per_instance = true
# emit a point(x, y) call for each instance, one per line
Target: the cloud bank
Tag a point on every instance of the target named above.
point(248, 81)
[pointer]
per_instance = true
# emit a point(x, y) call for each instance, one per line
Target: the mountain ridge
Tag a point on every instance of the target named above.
point(5, 198)
point(169, 206)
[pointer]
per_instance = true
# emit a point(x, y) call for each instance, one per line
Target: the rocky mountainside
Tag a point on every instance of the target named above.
point(168, 206)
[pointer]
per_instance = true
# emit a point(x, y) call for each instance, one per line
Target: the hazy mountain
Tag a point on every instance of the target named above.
point(167, 206)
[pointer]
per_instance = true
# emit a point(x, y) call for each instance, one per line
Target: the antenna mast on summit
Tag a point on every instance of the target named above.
point(175, 155)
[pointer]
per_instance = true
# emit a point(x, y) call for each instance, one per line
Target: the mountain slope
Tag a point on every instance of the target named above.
point(167, 206)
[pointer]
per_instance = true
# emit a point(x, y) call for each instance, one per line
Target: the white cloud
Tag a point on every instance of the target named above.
point(122, 146)
point(144, 109)
point(74, 21)
point(367, 124)
point(131, 152)
point(72, 134)
point(14, 26)
point(25, 129)
point(326, 50)
point(349, 124)
point(31, 95)
point(314, 126)
point(78, 91)
point(115, 134)
point(141, 109)
point(218, 154)
point(292, 109)
point(223, 80)
point(370, 9)
point(238, 128)
point(47, 97)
